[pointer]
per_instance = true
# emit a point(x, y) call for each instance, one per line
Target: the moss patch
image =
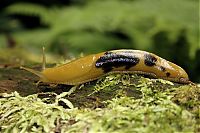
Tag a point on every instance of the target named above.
point(115, 103)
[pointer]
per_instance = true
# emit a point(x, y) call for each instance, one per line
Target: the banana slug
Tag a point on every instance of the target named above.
point(92, 67)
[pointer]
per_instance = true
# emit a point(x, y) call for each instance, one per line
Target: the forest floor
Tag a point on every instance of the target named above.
point(114, 103)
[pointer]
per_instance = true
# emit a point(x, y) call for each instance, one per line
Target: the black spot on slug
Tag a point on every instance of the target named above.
point(107, 69)
point(107, 53)
point(110, 60)
point(149, 60)
point(163, 69)
point(168, 74)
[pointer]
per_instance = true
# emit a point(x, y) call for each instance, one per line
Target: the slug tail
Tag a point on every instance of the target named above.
point(39, 74)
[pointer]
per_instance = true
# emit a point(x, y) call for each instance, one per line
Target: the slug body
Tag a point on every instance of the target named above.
point(92, 67)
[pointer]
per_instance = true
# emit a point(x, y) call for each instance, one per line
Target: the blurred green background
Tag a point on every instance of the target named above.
point(168, 28)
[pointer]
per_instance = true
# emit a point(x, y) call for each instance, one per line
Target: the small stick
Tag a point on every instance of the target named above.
point(43, 58)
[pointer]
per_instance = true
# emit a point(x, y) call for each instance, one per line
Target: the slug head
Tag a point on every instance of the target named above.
point(176, 73)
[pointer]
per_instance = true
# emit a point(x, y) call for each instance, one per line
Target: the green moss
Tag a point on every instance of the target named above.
point(188, 97)
point(146, 109)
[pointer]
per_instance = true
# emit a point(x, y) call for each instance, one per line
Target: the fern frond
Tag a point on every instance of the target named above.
point(31, 10)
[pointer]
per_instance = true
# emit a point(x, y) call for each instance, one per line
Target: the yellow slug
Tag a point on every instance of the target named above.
point(92, 67)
